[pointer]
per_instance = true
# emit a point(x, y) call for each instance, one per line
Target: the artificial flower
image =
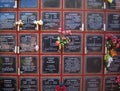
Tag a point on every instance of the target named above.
point(62, 39)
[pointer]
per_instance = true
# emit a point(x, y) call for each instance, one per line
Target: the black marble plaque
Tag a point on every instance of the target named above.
point(92, 84)
point(94, 43)
point(7, 20)
point(95, 21)
point(28, 42)
point(114, 5)
point(72, 20)
point(110, 84)
point(51, 20)
point(28, 3)
point(49, 84)
point(72, 64)
point(72, 84)
point(7, 3)
point(51, 3)
point(73, 4)
point(28, 19)
point(95, 4)
point(8, 84)
point(28, 64)
point(115, 65)
point(74, 45)
point(29, 84)
point(7, 42)
point(50, 64)
point(7, 64)
point(93, 64)
point(48, 43)
point(113, 22)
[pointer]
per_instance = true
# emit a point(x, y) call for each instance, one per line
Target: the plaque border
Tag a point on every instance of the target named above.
point(13, 34)
point(50, 11)
point(111, 30)
point(86, 21)
point(81, 13)
point(41, 62)
point(11, 77)
point(81, 62)
point(60, 6)
point(85, 64)
point(35, 77)
point(84, 85)
point(80, 52)
point(82, 5)
point(93, 34)
point(46, 77)
point(36, 61)
point(31, 52)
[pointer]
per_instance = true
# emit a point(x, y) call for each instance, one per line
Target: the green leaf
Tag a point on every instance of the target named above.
point(58, 38)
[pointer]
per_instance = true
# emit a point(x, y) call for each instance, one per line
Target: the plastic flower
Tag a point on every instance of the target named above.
point(118, 81)
point(62, 40)
point(112, 43)
point(19, 24)
point(38, 23)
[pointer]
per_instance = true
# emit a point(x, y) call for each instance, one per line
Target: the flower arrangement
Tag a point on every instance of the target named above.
point(37, 23)
point(118, 81)
point(19, 24)
point(62, 39)
point(112, 43)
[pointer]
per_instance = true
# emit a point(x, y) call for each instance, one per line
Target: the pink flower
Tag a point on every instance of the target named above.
point(57, 43)
point(117, 45)
point(60, 30)
point(114, 40)
point(119, 40)
point(63, 32)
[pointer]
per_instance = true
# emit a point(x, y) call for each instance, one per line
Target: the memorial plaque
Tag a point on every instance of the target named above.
point(114, 5)
point(29, 84)
point(72, 21)
point(72, 64)
point(28, 3)
point(8, 64)
point(51, 20)
point(49, 84)
point(73, 4)
point(113, 22)
point(51, 3)
point(28, 19)
point(7, 20)
point(94, 43)
point(95, 21)
point(8, 84)
point(110, 84)
point(95, 4)
point(92, 84)
point(7, 42)
point(28, 64)
point(7, 3)
point(50, 64)
point(115, 65)
point(72, 84)
point(74, 45)
point(48, 43)
point(28, 42)
point(93, 64)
